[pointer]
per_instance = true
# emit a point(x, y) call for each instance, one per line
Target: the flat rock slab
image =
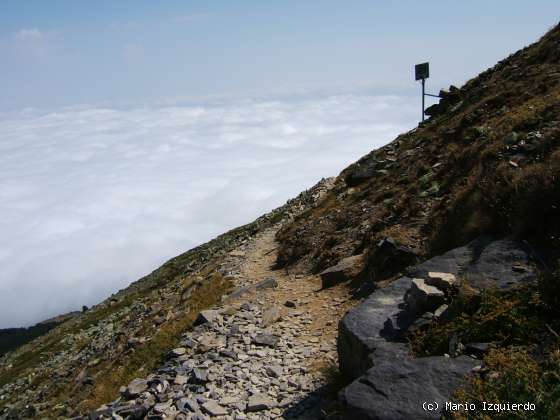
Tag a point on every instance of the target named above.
point(483, 263)
point(397, 387)
point(371, 326)
point(259, 402)
point(214, 409)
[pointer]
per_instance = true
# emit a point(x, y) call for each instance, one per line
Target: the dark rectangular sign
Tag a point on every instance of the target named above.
point(422, 71)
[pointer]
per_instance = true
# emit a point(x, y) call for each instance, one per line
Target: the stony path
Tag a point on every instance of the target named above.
point(262, 354)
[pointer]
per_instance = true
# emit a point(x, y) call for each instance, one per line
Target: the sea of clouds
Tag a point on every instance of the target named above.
point(93, 198)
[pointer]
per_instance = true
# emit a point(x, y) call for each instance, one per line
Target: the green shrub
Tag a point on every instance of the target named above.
point(515, 377)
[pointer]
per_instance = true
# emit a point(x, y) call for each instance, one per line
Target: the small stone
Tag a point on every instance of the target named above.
point(268, 283)
point(131, 411)
point(240, 291)
point(477, 349)
point(265, 340)
point(274, 371)
point(227, 353)
point(229, 400)
point(259, 402)
point(422, 297)
point(199, 376)
point(213, 408)
point(455, 346)
point(179, 351)
point(188, 342)
point(443, 281)
point(271, 315)
point(188, 404)
point(442, 313)
point(206, 316)
point(347, 269)
point(135, 388)
point(162, 408)
point(325, 347)
point(180, 380)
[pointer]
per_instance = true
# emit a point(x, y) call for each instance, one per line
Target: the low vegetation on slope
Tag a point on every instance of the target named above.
point(520, 328)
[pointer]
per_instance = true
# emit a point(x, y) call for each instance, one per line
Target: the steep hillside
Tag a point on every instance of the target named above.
point(488, 161)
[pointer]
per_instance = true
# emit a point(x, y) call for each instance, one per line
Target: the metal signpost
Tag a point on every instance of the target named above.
point(422, 72)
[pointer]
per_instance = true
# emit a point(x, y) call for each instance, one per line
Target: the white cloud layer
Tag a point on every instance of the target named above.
point(92, 199)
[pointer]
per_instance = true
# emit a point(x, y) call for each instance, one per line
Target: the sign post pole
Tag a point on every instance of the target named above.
point(422, 72)
point(423, 97)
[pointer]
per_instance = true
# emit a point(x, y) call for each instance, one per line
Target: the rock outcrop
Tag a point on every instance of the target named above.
point(389, 383)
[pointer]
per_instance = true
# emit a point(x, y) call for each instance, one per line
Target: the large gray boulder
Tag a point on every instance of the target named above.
point(396, 387)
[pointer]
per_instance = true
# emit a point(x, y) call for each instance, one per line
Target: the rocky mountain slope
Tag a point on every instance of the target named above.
point(82, 363)
point(442, 245)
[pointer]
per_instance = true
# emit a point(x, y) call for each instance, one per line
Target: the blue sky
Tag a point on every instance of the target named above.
point(129, 53)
